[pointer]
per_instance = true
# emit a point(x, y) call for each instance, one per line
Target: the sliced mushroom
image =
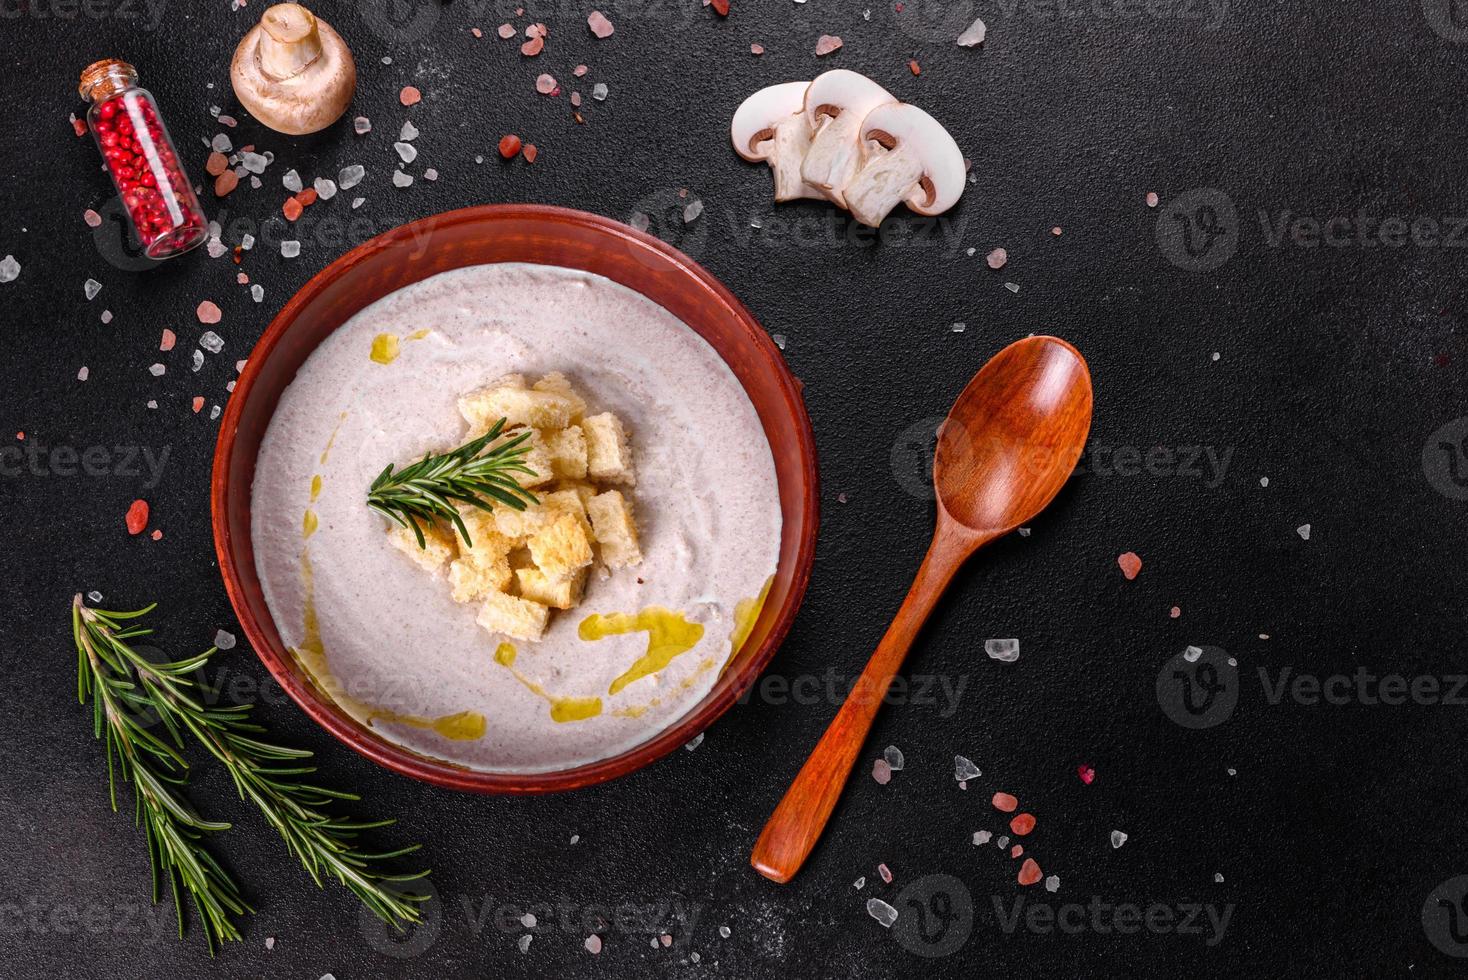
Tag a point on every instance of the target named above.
point(907, 155)
point(835, 105)
point(771, 126)
point(293, 72)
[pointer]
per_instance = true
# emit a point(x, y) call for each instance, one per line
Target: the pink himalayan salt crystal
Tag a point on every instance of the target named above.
point(1175, 613)
point(1056, 231)
point(666, 940)
point(756, 49)
point(1130, 564)
point(576, 100)
point(537, 30)
point(593, 944)
point(546, 84)
point(882, 772)
point(827, 44)
point(885, 872)
point(580, 70)
point(1151, 199)
point(506, 31)
point(198, 403)
point(1087, 774)
point(208, 312)
point(410, 95)
point(242, 279)
point(532, 47)
point(92, 218)
point(476, 32)
point(169, 339)
point(997, 258)
point(974, 35)
point(599, 24)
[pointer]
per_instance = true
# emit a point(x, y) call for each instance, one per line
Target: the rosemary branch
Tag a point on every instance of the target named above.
point(426, 490)
point(126, 684)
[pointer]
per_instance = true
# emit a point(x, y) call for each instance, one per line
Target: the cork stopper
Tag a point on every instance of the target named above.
point(103, 79)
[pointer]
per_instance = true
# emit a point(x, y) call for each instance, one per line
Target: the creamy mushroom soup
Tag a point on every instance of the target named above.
point(387, 640)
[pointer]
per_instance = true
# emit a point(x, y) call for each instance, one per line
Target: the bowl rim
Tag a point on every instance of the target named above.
point(440, 772)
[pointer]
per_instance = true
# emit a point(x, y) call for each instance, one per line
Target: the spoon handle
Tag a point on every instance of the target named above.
point(796, 825)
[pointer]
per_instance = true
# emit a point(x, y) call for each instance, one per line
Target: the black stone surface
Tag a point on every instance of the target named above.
point(1332, 364)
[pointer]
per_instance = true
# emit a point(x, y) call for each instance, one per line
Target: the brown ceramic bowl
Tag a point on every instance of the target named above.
point(515, 233)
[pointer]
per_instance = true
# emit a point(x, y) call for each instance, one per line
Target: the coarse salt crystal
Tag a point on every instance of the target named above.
point(409, 132)
point(593, 944)
point(827, 44)
point(1117, 838)
point(1005, 651)
point(882, 912)
point(599, 24)
point(545, 84)
point(9, 269)
point(524, 943)
point(91, 288)
point(156, 370)
point(982, 837)
point(692, 210)
point(1191, 654)
point(406, 151)
point(973, 35)
point(892, 753)
point(400, 179)
point(1303, 531)
point(257, 292)
point(292, 181)
point(599, 91)
point(211, 342)
point(997, 258)
point(362, 125)
point(290, 249)
point(351, 176)
point(83, 373)
point(964, 769)
point(695, 742)
point(198, 360)
point(881, 772)
point(325, 188)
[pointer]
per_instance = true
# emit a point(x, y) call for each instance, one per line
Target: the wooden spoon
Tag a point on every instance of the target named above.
point(1007, 447)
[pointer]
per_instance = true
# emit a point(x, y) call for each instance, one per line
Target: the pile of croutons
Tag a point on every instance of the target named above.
point(525, 563)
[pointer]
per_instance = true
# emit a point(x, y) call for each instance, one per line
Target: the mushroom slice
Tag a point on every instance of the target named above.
point(907, 155)
point(771, 126)
point(293, 72)
point(835, 105)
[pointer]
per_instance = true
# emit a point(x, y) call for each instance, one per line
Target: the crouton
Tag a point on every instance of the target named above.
point(517, 406)
point(514, 617)
point(476, 577)
point(536, 457)
point(561, 548)
point(567, 449)
point(517, 525)
point(608, 453)
point(439, 544)
point(559, 593)
point(488, 541)
point(615, 530)
point(583, 490)
point(558, 384)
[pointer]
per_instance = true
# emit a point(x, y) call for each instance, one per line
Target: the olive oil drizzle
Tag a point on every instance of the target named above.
point(562, 709)
point(668, 635)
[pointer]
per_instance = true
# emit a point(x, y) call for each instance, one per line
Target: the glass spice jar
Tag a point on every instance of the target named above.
point(145, 168)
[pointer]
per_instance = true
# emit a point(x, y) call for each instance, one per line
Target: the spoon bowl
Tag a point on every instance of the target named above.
point(1010, 441)
point(1006, 448)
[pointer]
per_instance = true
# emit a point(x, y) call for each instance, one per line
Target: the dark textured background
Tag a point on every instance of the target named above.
point(1337, 365)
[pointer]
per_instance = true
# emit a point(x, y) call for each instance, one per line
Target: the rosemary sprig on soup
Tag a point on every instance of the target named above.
point(478, 472)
